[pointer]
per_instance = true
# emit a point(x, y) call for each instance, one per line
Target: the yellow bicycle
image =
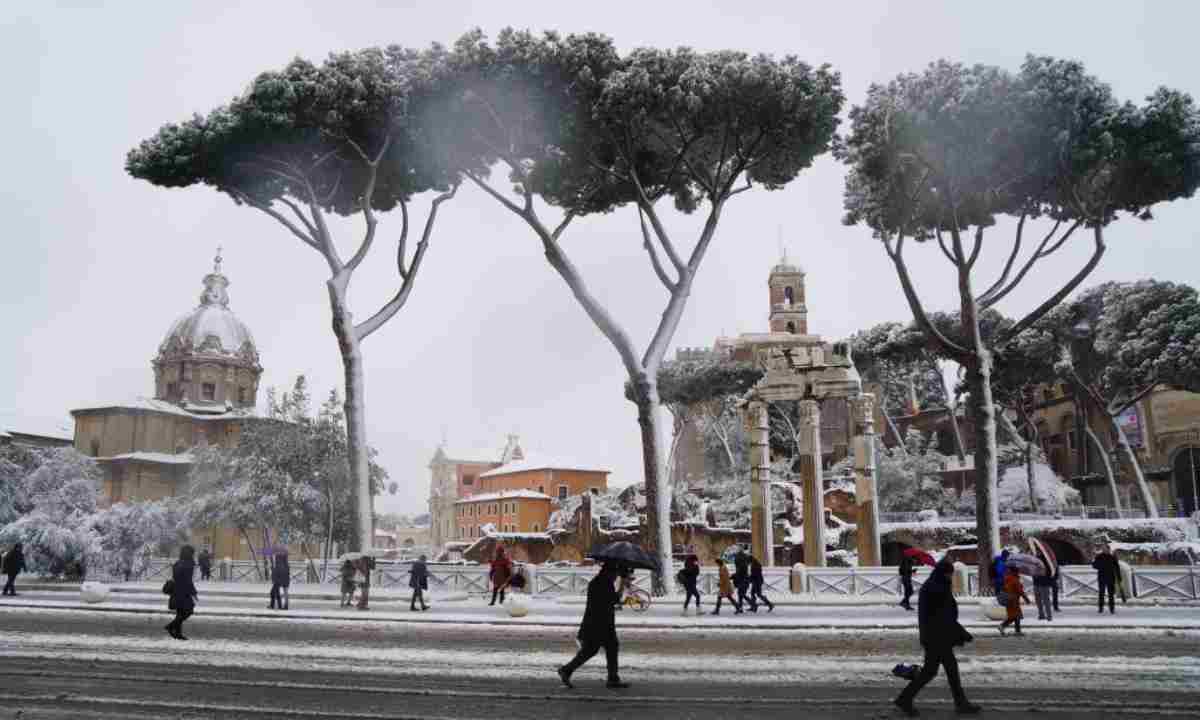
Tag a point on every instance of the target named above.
point(636, 599)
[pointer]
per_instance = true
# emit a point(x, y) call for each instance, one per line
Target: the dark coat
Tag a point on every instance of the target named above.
point(418, 576)
point(204, 560)
point(906, 566)
point(184, 595)
point(741, 570)
point(600, 617)
point(937, 613)
point(1106, 567)
point(281, 571)
point(690, 574)
point(14, 562)
point(756, 575)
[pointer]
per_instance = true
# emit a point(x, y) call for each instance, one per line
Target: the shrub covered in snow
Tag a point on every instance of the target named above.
point(57, 530)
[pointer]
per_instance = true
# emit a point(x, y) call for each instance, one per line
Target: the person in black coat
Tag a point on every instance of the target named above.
point(689, 577)
point(741, 577)
point(599, 628)
point(756, 587)
point(183, 594)
point(937, 615)
point(204, 560)
point(906, 573)
point(418, 580)
point(281, 580)
point(1107, 570)
point(14, 565)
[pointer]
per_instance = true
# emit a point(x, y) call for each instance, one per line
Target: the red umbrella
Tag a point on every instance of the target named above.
point(920, 556)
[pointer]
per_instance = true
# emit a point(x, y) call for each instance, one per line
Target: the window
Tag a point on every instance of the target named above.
point(791, 327)
point(537, 528)
point(95, 447)
point(172, 390)
point(562, 492)
point(542, 489)
point(595, 491)
point(209, 391)
point(242, 395)
point(787, 296)
point(468, 479)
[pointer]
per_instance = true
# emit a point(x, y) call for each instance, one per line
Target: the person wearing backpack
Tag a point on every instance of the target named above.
point(756, 587)
point(906, 572)
point(182, 591)
point(688, 577)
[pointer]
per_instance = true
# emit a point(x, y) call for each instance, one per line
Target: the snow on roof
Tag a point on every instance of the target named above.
point(540, 462)
point(58, 428)
point(506, 495)
point(153, 457)
point(163, 406)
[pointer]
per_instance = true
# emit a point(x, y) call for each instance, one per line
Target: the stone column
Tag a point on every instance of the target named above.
point(814, 485)
point(862, 423)
point(761, 517)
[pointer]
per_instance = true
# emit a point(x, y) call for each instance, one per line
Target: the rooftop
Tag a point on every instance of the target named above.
point(163, 406)
point(506, 495)
point(153, 457)
point(537, 462)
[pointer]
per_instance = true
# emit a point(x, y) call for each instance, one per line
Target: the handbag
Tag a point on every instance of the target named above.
point(169, 587)
point(1002, 598)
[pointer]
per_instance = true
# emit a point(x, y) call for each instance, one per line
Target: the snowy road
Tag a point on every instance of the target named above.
point(75, 664)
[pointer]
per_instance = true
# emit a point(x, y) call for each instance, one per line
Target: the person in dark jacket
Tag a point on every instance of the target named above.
point(281, 579)
point(999, 571)
point(1057, 586)
point(418, 580)
point(1042, 587)
point(1107, 570)
point(756, 587)
point(689, 577)
point(204, 560)
point(599, 628)
point(741, 576)
point(937, 617)
point(183, 595)
point(906, 573)
point(500, 574)
point(14, 565)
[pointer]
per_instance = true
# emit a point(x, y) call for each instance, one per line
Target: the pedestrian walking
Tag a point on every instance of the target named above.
point(689, 577)
point(1107, 571)
point(907, 569)
point(1014, 593)
point(204, 560)
point(1043, 586)
point(741, 575)
point(500, 574)
point(183, 591)
point(1056, 588)
point(362, 577)
point(14, 565)
point(347, 583)
point(725, 588)
point(999, 571)
point(937, 618)
point(281, 578)
point(756, 587)
point(598, 629)
point(418, 580)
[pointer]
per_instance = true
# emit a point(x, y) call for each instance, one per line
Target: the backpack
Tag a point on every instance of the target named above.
point(680, 578)
point(169, 587)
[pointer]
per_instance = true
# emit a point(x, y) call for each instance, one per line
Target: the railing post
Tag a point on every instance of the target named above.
point(799, 579)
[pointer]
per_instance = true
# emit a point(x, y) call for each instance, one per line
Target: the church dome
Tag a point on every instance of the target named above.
point(211, 328)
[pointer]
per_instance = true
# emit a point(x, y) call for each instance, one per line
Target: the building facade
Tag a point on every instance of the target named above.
point(206, 374)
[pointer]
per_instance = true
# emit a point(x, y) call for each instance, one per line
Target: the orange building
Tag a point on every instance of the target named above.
point(515, 511)
point(557, 478)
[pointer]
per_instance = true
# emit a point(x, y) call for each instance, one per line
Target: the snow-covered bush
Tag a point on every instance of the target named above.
point(132, 533)
point(57, 530)
point(1053, 494)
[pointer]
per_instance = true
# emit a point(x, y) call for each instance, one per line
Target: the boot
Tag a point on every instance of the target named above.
point(565, 677)
point(906, 706)
point(967, 708)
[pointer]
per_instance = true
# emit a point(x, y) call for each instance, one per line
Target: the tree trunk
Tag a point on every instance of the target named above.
point(657, 541)
point(959, 448)
point(1131, 457)
point(356, 419)
point(1108, 471)
point(987, 512)
point(253, 559)
point(1027, 446)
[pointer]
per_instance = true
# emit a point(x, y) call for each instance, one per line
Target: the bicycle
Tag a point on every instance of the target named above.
point(636, 599)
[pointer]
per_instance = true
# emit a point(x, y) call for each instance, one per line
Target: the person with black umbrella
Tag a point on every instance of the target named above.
point(599, 627)
point(937, 616)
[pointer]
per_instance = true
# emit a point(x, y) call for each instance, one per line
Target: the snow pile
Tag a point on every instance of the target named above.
point(1053, 494)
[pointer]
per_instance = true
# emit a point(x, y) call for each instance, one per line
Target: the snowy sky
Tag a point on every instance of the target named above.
point(99, 265)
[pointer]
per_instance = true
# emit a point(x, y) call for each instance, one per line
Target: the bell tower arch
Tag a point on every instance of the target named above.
point(789, 313)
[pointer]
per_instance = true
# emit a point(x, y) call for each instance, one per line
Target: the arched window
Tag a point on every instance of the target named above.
point(791, 327)
point(788, 298)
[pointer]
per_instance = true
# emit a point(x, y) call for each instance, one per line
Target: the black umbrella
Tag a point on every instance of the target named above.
point(625, 553)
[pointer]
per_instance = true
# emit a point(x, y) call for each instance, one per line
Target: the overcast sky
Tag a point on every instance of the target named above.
point(98, 265)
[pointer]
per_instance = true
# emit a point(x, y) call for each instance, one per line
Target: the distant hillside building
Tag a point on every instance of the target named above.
point(514, 493)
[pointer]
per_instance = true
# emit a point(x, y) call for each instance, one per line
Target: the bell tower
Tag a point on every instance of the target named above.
point(789, 314)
